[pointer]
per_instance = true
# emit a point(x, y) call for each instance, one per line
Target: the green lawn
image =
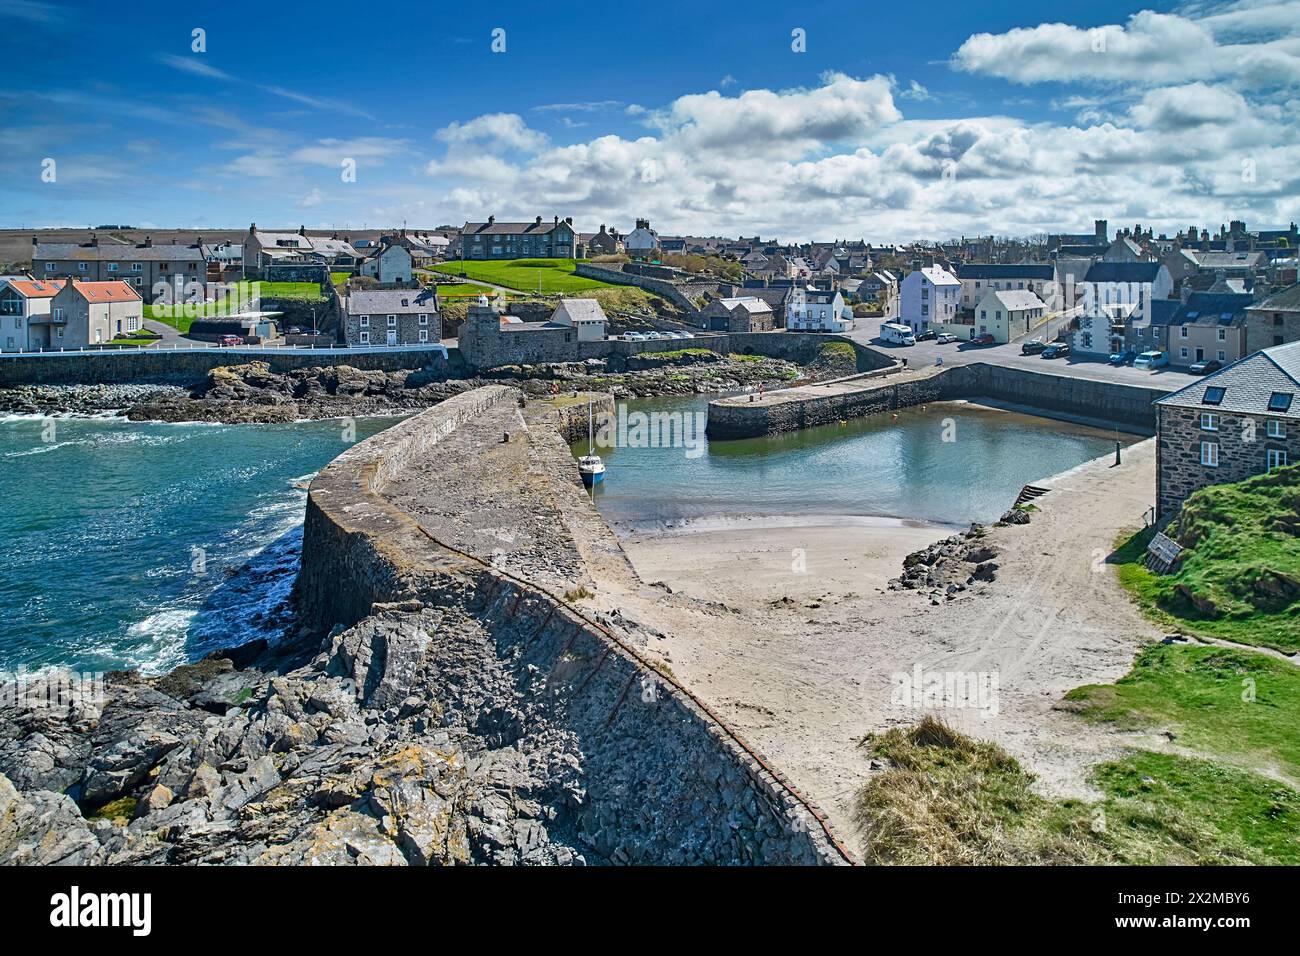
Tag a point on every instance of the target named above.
point(1240, 579)
point(181, 317)
point(1236, 705)
point(465, 290)
point(525, 275)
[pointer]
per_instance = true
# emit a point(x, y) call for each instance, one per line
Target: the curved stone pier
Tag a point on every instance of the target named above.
point(412, 515)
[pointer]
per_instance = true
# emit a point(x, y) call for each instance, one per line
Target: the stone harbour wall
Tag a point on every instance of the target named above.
point(1124, 405)
point(664, 780)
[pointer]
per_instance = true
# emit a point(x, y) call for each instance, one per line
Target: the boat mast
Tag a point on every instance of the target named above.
point(591, 441)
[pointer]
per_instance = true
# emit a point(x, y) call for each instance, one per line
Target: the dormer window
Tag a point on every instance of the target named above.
point(1213, 395)
point(1280, 401)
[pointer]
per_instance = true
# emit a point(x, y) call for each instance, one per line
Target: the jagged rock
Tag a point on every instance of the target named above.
point(41, 828)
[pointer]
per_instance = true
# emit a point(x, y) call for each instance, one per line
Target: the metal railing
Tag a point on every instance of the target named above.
point(174, 348)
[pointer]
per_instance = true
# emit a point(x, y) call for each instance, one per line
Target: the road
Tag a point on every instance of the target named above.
point(867, 332)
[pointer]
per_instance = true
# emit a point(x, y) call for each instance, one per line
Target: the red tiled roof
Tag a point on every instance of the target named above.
point(36, 288)
point(113, 291)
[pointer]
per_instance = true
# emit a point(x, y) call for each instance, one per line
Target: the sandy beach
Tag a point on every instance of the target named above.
point(788, 628)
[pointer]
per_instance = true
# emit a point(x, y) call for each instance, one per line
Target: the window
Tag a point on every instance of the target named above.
point(135, 267)
point(1182, 331)
point(81, 267)
point(1223, 356)
point(58, 315)
point(1275, 428)
point(1209, 422)
point(50, 267)
point(392, 321)
point(1210, 454)
point(1223, 335)
point(112, 267)
point(1277, 318)
point(424, 320)
point(424, 335)
point(1276, 458)
point(925, 310)
point(1182, 352)
point(1280, 401)
point(136, 280)
point(983, 315)
point(365, 321)
point(365, 336)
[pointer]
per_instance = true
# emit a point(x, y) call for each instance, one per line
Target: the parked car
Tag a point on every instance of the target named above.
point(983, 339)
point(1059, 350)
point(926, 334)
point(1033, 347)
point(1154, 359)
point(1206, 367)
point(685, 335)
point(945, 338)
point(1123, 358)
point(226, 340)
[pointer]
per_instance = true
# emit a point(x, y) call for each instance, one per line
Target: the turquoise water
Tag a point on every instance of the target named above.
point(149, 544)
point(878, 466)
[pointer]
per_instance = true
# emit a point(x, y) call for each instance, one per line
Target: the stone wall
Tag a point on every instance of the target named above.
point(1243, 452)
point(666, 781)
point(659, 287)
point(185, 366)
point(1125, 405)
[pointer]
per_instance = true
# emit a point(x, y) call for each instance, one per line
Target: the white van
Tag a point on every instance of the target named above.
point(1151, 360)
point(897, 334)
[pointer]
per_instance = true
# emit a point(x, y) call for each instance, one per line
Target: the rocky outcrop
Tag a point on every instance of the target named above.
point(947, 568)
point(253, 393)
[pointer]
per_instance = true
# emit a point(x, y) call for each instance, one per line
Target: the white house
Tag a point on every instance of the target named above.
point(584, 315)
point(1101, 330)
point(815, 310)
point(24, 300)
point(642, 241)
point(1008, 314)
point(391, 263)
point(928, 295)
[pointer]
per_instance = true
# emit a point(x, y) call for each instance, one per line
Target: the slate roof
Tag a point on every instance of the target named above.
point(511, 228)
point(158, 252)
point(1161, 311)
point(939, 276)
point(1286, 300)
point(577, 310)
point(1248, 384)
point(1226, 260)
point(999, 270)
point(1123, 272)
point(391, 301)
point(751, 304)
point(1212, 308)
point(1016, 300)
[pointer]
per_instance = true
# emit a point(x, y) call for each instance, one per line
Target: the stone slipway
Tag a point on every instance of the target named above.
point(808, 406)
point(442, 511)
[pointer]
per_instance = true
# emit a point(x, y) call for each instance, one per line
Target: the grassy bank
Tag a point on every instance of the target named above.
point(1240, 577)
point(950, 800)
point(524, 275)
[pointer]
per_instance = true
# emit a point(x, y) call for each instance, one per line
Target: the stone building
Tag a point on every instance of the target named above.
point(741, 314)
point(146, 266)
point(1240, 421)
point(391, 317)
point(1274, 321)
point(518, 240)
point(490, 338)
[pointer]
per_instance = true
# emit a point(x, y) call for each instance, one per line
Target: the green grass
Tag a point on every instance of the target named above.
point(525, 275)
point(1240, 577)
point(338, 278)
point(182, 317)
point(463, 290)
point(1237, 705)
point(947, 799)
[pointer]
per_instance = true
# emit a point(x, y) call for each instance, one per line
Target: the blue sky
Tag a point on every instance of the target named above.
point(893, 122)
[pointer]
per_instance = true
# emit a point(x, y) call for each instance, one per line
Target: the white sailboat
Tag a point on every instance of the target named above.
point(590, 468)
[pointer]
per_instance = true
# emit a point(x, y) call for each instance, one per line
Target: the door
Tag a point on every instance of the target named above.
point(392, 336)
point(1200, 355)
